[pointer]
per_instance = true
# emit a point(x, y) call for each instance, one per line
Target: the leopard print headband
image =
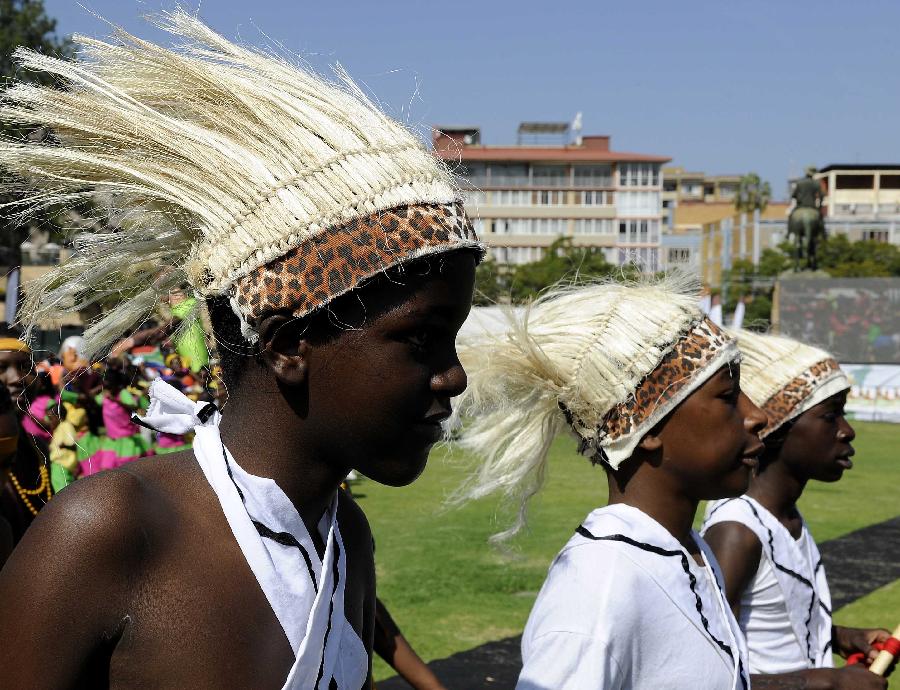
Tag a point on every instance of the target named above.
point(691, 361)
point(338, 259)
point(817, 383)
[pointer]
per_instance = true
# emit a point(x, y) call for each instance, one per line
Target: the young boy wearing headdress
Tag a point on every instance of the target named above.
point(337, 266)
point(774, 577)
point(651, 389)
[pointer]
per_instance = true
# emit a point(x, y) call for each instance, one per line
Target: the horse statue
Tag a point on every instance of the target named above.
point(805, 222)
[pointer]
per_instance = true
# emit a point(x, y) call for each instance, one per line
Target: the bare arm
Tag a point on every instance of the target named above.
point(846, 678)
point(391, 646)
point(143, 337)
point(64, 592)
point(737, 549)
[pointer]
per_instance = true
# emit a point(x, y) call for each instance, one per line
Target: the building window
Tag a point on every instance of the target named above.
point(473, 198)
point(638, 232)
point(593, 175)
point(594, 226)
point(511, 197)
point(638, 203)
point(638, 175)
point(727, 192)
point(512, 174)
point(550, 198)
point(876, 235)
point(890, 182)
point(679, 255)
point(854, 182)
point(550, 175)
point(549, 226)
point(474, 174)
point(516, 255)
point(597, 198)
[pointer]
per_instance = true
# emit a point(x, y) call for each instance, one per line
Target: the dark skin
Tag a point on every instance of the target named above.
point(815, 446)
point(392, 646)
point(17, 374)
point(20, 460)
point(143, 558)
point(704, 449)
point(6, 540)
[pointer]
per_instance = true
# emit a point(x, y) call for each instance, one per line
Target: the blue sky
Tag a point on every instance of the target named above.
point(768, 86)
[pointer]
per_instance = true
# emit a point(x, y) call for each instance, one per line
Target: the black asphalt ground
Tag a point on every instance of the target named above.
point(857, 564)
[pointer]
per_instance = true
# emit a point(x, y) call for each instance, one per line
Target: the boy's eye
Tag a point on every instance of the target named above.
point(420, 339)
point(732, 395)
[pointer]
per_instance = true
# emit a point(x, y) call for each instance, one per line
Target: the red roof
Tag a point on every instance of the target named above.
point(561, 154)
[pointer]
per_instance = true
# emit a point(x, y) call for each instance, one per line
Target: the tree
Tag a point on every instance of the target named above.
point(774, 262)
point(842, 258)
point(491, 283)
point(24, 23)
point(562, 260)
point(752, 195)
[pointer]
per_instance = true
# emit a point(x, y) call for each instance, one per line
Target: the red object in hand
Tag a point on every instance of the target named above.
point(892, 644)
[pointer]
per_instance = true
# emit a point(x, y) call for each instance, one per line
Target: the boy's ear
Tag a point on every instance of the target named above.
point(283, 351)
point(651, 442)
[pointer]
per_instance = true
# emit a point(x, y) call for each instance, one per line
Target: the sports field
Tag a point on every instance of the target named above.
point(449, 590)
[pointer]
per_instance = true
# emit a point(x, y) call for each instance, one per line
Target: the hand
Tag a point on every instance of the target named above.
point(852, 640)
point(856, 678)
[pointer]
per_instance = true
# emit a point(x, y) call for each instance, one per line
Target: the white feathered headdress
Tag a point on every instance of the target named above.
point(785, 377)
point(609, 361)
point(212, 161)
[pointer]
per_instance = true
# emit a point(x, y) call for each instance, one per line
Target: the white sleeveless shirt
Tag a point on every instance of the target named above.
point(785, 609)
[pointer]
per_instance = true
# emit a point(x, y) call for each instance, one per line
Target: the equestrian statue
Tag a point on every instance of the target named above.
point(805, 222)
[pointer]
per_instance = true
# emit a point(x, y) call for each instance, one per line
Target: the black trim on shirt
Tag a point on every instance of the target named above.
point(796, 576)
point(692, 582)
point(283, 538)
point(337, 577)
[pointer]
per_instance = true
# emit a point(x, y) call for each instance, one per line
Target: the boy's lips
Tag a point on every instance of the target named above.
point(845, 461)
point(437, 417)
point(751, 457)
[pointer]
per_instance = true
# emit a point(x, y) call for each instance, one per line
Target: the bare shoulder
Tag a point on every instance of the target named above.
point(730, 536)
point(108, 520)
point(738, 551)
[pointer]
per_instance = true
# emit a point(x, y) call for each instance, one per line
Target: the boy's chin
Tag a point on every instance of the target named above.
point(735, 484)
point(395, 471)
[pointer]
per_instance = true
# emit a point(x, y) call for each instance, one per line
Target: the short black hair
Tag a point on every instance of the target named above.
point(235, 351)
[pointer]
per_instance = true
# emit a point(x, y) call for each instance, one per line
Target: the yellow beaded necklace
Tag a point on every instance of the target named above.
point(42, 487)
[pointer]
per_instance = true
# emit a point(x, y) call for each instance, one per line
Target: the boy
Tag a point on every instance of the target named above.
point(774, 578)
point(651, 389)
point(337, 266)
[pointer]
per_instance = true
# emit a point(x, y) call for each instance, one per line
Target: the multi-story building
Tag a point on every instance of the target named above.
point(693, 202)
point(682, 185)
point(524, 197)
point(862, 200)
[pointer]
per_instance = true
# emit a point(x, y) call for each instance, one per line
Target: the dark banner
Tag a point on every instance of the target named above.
point(858, 319)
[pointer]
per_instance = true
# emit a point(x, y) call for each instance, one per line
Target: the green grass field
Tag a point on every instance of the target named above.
point(450, 591)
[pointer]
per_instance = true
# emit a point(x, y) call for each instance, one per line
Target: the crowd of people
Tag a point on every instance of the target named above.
point(69, 418)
